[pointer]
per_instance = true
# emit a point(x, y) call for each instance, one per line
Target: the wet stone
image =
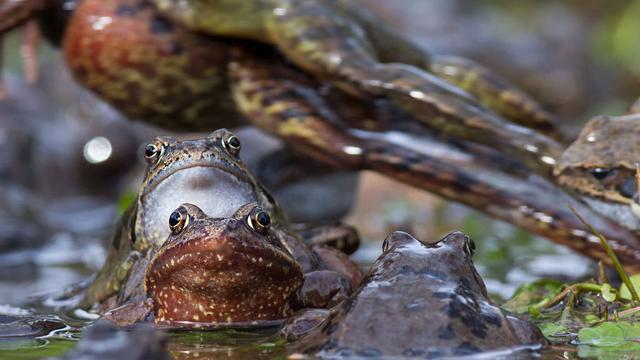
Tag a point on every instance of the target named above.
point(104, 340)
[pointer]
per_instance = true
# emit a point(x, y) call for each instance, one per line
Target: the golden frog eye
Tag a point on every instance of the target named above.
point(178, 220)
point(232, 144)
point(153, 152)
point(259, 220)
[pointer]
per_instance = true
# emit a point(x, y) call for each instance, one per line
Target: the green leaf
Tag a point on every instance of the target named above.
point(624, 290)
point(631, 331)
point(551, 329)
point(606, 334)
point(531, 294)
point(607, 293)
point(611, 333)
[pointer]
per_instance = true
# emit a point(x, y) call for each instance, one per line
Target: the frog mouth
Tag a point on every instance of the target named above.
point(218, 191)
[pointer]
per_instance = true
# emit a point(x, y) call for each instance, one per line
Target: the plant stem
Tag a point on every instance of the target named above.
point(575, 288)
point(614, 259)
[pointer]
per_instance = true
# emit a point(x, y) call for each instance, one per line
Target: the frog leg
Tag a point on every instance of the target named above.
point(302, 323)
point(490, 89)
point(324, 289)
point(337, 235)
point(330, 243)
point(334, 48)
point(496, 93)
point(131, 312)
point(117, 267)
point(109, 281)
point(279, 101)
point(339, 262)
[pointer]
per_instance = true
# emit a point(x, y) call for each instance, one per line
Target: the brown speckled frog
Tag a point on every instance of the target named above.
point(418, 300)
point(219, 272)
point(601, 166)
point(209, 174)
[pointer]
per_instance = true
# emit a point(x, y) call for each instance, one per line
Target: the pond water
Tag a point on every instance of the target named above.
point(505, 256)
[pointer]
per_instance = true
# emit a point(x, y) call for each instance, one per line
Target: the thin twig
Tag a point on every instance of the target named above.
point(602, 275)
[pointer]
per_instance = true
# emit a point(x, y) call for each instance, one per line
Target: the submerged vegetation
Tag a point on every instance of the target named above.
point(595, 315)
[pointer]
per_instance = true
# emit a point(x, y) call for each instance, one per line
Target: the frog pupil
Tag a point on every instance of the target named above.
point(263, 219)
point(599, 173)
point(234, 142)
point(175, 218)
point(150, 151)
point(472, 245)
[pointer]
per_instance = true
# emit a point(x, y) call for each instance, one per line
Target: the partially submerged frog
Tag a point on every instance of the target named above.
point(210, 174)
point(418, 300)
point(231, 271)
point(601, 165)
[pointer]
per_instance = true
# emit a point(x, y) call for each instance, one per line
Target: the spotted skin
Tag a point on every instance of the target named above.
point(148, 67)
point(210, 152)
point(418, 300)
point(222, 271)
point(192, 170)
point(138, 232)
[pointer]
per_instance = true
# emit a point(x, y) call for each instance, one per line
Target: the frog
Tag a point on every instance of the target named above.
point(419, 299)
point(213, 271)
point(209, 173)
point(380, 115)
point(601, 164)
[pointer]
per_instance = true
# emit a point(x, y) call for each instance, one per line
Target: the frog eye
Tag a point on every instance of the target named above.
point(153, 152)
point(385, 245)
point(600, 173)
point(231, 143)
point(259, 220)
point(178, 220)
point(470, 246)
